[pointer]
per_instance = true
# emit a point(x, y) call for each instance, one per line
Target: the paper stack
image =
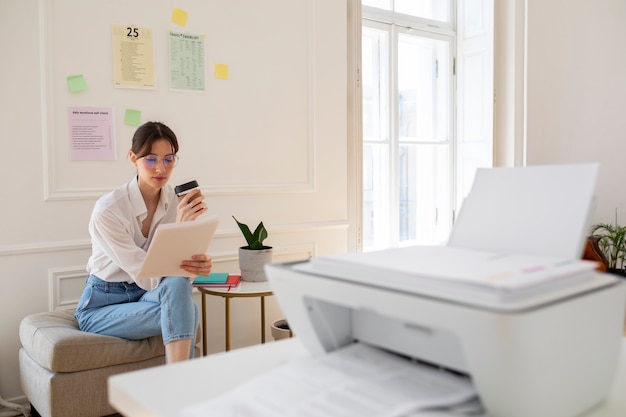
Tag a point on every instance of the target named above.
point(451, 272)
point(354, 381)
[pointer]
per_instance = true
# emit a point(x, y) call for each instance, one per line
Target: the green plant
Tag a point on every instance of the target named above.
point(612, 242)
point(255, 240)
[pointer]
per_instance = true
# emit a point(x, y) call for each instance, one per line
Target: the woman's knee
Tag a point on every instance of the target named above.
point(177, 286)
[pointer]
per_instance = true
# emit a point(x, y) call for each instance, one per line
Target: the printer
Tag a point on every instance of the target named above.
point(551, 353)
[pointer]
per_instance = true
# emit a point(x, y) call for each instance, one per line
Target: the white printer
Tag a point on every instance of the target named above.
point(551, 353)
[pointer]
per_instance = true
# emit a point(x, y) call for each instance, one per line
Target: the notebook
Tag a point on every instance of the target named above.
point(231, 282)
point(212, 278)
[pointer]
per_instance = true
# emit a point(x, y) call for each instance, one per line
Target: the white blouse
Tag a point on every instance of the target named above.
point(118, 245)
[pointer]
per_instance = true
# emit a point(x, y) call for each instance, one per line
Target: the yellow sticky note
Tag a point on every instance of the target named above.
point(76, 83)
point(179, 17)
point(132, 117)
point(221, 71)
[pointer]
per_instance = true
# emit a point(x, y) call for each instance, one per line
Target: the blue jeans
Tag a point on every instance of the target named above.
point(125, 310)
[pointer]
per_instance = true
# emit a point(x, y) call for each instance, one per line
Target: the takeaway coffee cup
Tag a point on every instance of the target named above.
point(186, 188)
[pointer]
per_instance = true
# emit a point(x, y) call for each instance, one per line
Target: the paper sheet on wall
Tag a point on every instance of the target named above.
point(187, 61)
point(133, 56)
point(357, 380)
point(91, 133)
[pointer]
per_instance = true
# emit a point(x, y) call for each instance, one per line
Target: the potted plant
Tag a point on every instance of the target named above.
point(611, 239)
point(254, 256)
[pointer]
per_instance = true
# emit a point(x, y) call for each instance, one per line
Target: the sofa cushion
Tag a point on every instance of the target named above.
point(54, 341)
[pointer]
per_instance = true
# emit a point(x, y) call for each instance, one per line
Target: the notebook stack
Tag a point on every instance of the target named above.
point(218, 280)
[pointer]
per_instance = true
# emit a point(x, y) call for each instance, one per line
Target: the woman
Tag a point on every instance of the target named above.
point(122, 225)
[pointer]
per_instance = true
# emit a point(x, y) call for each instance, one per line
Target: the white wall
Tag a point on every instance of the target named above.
point(576, 88)
point(287, 90)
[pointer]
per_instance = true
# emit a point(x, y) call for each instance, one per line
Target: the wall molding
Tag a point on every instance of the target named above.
point(36, 248)
point(60, 280)
point(85, 244)
point(65, 284)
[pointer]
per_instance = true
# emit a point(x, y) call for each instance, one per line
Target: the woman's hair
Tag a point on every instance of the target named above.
point(150, 132)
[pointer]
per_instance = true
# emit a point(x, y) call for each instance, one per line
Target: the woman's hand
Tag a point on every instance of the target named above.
point(189, 209)
point(198, 264)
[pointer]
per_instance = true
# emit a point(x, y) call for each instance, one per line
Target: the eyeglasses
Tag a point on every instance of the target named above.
point(169, 161)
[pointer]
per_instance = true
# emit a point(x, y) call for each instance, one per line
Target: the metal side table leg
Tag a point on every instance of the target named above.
point(262, 319)
point(227, 322)
point(204, 341)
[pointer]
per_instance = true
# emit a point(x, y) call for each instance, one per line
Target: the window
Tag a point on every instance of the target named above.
point(438, 10)
point(418, 160)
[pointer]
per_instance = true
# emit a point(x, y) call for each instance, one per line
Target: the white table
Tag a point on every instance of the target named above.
point(165, 390)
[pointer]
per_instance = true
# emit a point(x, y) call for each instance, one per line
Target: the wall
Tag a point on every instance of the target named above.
point(576, 92)
point(267, 144)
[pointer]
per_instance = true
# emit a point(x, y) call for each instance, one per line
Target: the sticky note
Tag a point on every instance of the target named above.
point(221, 71)
point(179, 17)
point(76, 83)
point(132, 117)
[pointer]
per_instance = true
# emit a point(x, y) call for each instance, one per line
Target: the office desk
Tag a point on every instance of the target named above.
point(165, 390)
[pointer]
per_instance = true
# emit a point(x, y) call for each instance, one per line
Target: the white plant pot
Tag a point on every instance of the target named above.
point(252, 263)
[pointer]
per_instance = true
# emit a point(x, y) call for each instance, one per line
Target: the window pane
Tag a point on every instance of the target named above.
point(423, 89)
point(427, 9)
point(374, 82)
point(423, 194)
point(381, 4)
point(376, 198)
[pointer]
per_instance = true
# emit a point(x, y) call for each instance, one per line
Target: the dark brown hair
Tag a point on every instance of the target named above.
point(150, 132)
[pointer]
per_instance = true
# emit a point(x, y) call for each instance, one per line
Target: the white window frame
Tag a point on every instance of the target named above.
point(463, 172)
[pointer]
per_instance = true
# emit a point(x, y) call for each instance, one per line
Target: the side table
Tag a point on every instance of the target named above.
point(244, 289)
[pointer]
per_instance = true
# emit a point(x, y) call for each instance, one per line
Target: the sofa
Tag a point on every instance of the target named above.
point(64, 371)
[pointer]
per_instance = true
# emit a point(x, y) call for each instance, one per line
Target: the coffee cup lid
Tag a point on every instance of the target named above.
point(186, 187)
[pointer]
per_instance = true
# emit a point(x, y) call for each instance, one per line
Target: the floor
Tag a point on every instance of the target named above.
point(38, 415)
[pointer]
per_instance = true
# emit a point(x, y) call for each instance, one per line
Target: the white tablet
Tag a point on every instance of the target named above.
point(175, 242)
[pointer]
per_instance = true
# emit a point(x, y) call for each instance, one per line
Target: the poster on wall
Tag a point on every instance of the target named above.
point(91, 134)
point(133, 57)
point(187, 62)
